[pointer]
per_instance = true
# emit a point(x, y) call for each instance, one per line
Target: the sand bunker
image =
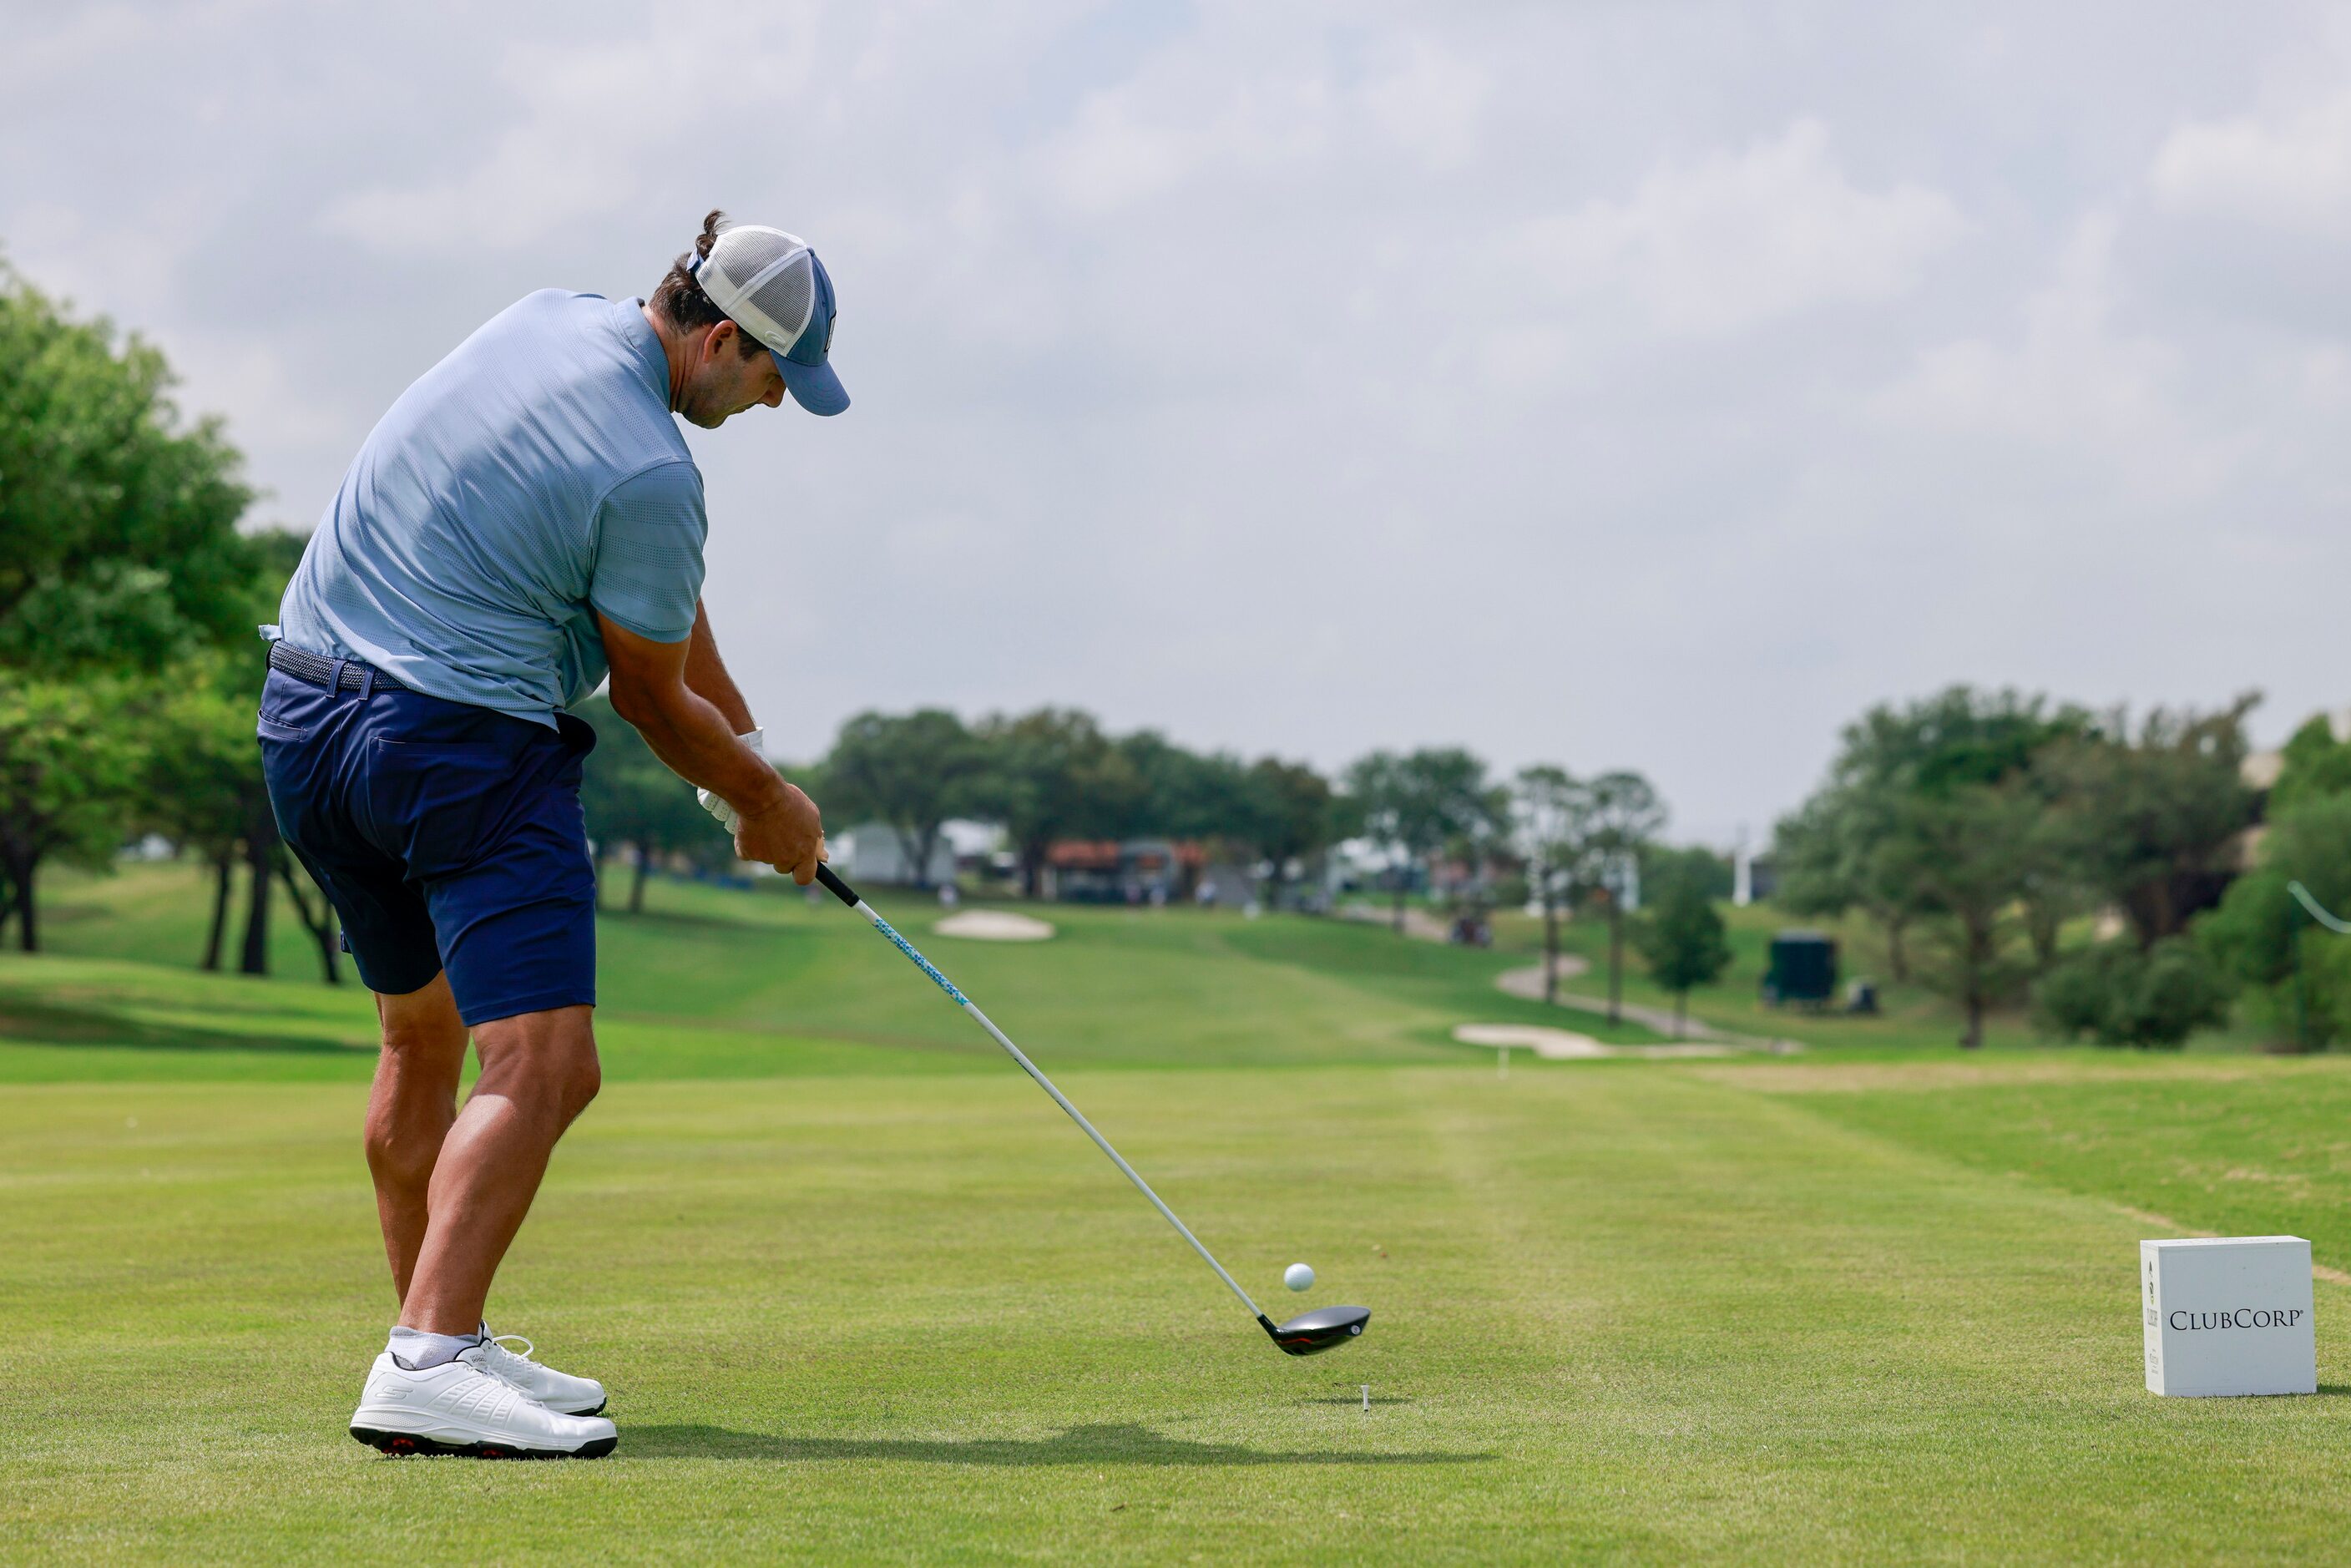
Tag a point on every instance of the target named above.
point(1553, 1044)
point(1567, 1045)
point(994, 926)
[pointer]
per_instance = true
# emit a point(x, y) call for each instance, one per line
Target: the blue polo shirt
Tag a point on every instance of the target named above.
point(530, 480)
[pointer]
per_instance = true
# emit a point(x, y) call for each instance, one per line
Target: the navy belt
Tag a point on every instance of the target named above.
point(350, 674)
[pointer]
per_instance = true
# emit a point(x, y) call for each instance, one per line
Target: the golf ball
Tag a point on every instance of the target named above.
point(1298, 1277)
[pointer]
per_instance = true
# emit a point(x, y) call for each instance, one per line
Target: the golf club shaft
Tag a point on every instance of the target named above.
point(2317, 913)
point(848, 895)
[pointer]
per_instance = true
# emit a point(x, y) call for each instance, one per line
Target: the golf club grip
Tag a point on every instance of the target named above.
point(835, 886)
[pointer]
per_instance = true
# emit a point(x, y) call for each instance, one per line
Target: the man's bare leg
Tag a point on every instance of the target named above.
point(539, 1072)
point(409, 1111)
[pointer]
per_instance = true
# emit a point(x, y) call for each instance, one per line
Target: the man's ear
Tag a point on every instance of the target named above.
point(717, 338)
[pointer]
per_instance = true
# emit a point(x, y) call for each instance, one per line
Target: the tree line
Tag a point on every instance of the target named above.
point(2125, 878)
point(130, 674)
point(129, 671)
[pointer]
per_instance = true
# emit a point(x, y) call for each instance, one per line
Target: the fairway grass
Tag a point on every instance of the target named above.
point(1627, 1312)
point(862, 1295)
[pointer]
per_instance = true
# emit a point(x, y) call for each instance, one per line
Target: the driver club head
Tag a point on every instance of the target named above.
point(1310, 1334)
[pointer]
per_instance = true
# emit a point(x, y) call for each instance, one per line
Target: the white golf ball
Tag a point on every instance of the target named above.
point(1298, 1277)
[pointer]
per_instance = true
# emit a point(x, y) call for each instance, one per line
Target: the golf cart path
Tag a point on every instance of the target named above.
point(1527, 983)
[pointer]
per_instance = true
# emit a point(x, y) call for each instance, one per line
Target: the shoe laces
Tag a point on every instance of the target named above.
point(504, 1365)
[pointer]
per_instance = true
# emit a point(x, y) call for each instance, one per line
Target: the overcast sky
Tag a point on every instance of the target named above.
point(1647, 386)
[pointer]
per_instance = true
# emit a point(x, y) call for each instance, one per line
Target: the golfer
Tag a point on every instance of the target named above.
point(525, 520)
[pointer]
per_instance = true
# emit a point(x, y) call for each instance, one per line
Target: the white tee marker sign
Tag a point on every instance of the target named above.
point(2228, 1315)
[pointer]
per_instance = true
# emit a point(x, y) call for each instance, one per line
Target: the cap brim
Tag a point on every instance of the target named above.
point(814, 387)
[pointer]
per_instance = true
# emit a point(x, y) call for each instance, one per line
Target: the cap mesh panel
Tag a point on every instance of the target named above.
point(743, 252)
point(784, 299)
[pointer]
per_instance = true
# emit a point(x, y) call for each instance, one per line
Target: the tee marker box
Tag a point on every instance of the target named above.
point(2228, 1315)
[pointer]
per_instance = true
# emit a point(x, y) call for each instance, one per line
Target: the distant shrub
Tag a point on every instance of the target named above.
point(2118, 995)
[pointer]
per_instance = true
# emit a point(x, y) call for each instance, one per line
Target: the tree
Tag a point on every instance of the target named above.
point(1050, 775)
point(119, 548)
point(1622, 814)
point(2316, 764)
point(2261, 938)
point(1837, 852)
point(1288, 810)
point(1414, 803)
point(913, 771)
point(1938, 809)
point(1708, 870)
point(202, 764)
point(2153, 824)
point(1681, 934)
point(1178, 793)
point(629, 796)
point(1553, 816)
point(1973, 856)
point(204, 789)
point(71, 756)
point(2118, 995)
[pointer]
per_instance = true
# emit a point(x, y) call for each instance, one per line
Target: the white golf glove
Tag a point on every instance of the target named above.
point(728, 817)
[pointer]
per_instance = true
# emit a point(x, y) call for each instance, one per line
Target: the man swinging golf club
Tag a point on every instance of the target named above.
point(526, 518)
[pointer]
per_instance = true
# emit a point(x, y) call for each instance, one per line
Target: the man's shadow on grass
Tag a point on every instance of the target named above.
point(27, 1022)
point(1124, 1444)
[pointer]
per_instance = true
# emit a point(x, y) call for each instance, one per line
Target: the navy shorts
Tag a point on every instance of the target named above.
point(448, 836)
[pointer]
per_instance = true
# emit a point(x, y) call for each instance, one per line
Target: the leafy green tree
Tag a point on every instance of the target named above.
point(1179, 794)
point(1936, 809)
point(2316, 764)
point(2299, 977)
point(119, 548)
point(1413, 804)
point(71, 758)
point(2153, 821)
point(1287, 816)
point(1839, 851)
point(1622, 814)
point(2119, 995)
point(1553, 814)
point(204, 785)
point(629, 796)
point(913, 771)
point(1973, 842)
point(1680, 933)
point(1050, 775)
point(1709, 872)
point(205, 789)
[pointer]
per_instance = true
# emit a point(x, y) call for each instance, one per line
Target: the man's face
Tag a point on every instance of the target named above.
point(722, 383)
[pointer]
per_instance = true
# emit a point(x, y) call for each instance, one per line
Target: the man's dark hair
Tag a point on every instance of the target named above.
point(679, 300)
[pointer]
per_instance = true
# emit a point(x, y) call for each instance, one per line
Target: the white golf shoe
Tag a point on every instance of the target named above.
point(558, 1390)
point(462, 1406)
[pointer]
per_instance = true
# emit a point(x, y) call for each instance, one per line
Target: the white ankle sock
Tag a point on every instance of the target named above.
point(418, 1351)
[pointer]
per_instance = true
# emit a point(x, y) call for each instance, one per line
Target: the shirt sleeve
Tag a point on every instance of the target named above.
point(649, 534)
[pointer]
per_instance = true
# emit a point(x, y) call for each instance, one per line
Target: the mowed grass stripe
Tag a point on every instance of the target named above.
point(1626, 1313)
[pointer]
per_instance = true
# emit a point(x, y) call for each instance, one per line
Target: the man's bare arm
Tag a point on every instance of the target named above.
point(688, 732)
point(706, 676)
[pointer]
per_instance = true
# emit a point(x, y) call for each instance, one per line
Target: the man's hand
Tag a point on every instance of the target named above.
point(789, 836)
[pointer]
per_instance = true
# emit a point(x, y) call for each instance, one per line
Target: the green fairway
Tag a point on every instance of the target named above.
point(862, 1294)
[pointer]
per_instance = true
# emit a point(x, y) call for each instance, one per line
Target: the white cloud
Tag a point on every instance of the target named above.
point(1730, 239)
point(2290, 170)
point(588, 128)
point(2070, 382)
point(1325, 375)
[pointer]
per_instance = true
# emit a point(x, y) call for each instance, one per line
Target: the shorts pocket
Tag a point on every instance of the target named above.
point(428, 804)
point(290, 709)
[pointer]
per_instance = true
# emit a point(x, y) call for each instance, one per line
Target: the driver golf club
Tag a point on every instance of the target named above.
point(1302, 1335)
